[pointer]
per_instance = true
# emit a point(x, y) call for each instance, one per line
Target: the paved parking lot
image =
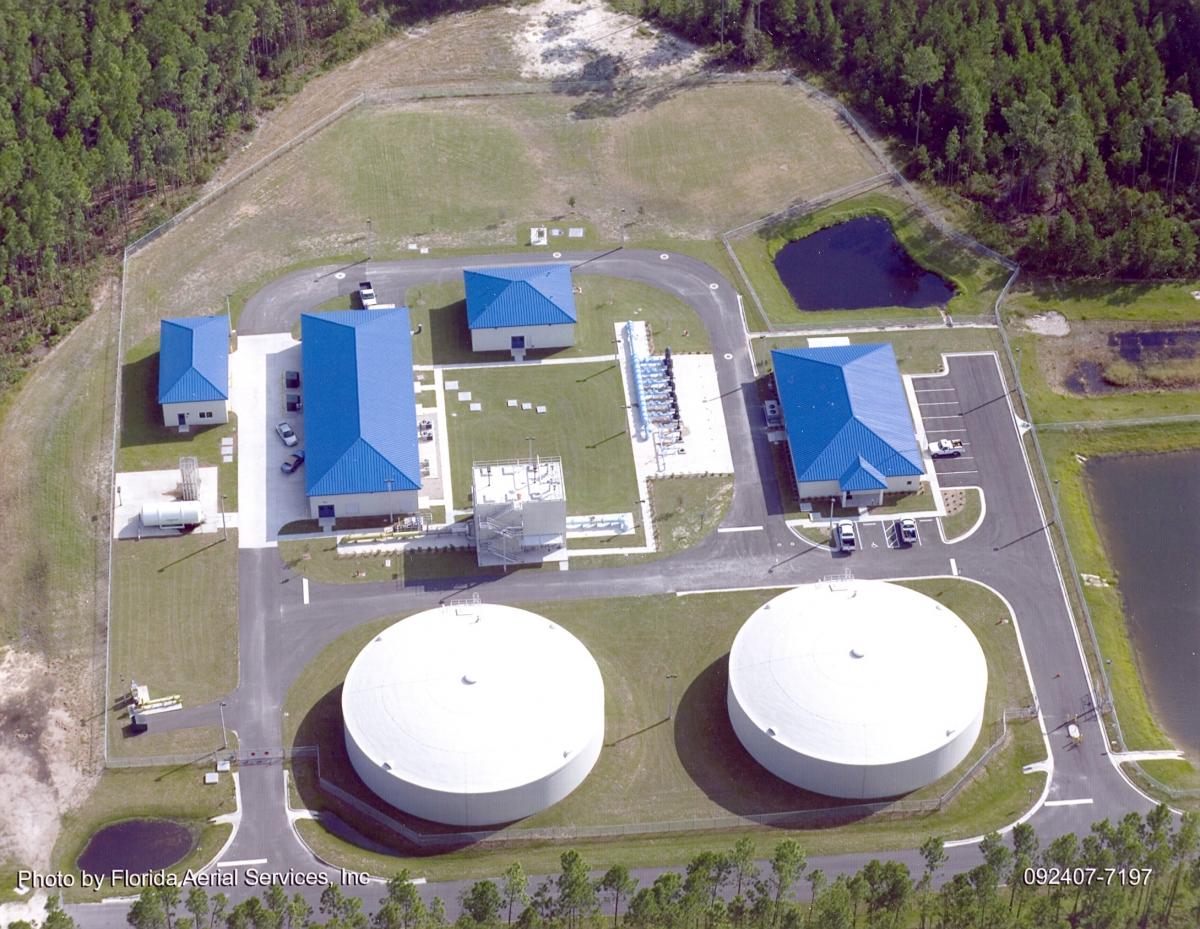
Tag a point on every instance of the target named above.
point(267, 498)
point(943, 416)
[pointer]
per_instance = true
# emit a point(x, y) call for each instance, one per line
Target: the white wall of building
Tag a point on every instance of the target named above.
point(853, 781)
point(203, 413)
point(895, 485)
point(500, 340)
point(378, 504)
point(479, 809)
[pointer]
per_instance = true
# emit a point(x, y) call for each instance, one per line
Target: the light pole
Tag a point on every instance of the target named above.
point(671, 694)
point(224, 735)
point(390, 481)
point(368, 238)
point(224, 530)
point(119, 503)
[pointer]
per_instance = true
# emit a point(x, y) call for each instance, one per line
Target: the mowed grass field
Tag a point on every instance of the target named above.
point(174, 625)
point(471, 173)
point(584, 424)
point(978, 280)
point(653, 769)
point(918, 351)
point(1094, 300)
point(439, 309)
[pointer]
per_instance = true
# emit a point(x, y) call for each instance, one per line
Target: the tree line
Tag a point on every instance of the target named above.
point(1069, 128)
point(1139, 872)
point(112, 110)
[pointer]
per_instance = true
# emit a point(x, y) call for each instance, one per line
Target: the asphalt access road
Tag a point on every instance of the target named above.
point(1011, 552)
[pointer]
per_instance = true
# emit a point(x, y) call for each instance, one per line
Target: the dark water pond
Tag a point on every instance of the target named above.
point(136, 845)
point(1156, 344)
point(1148, 509)
point(855, 265)
point(1087, 377)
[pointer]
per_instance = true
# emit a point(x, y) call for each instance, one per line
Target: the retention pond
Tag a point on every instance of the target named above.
point(1148, 511)
point(855, 265)
point(136, 845)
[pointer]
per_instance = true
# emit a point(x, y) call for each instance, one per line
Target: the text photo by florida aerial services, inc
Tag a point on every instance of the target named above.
point(577, 462)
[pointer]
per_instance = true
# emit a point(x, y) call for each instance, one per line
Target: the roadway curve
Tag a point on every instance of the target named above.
point(1010, 552)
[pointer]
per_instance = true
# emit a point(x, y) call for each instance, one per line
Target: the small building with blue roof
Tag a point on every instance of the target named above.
point(849, 428)
point(360, 417)
point(193, 371)
point(522, 307)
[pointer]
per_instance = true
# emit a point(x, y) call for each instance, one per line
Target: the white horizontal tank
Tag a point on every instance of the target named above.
point(473, 715)
point(857, 689)
point(172, 515)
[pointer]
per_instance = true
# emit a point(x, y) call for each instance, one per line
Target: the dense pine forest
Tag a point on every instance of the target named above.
point(109, 107)
point(1069, 126)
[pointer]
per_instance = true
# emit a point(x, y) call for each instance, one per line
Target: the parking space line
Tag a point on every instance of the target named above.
point(952, 416)
point(939, 403)
point(932, 390)
point(949, 473)
point(304, 588)
point(954, 567)
point(943, 430)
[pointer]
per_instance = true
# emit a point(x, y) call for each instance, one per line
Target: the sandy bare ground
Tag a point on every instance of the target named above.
point(576, 39)
point(1051, 324)
point(40, 773)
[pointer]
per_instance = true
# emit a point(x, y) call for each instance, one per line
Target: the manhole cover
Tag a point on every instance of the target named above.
point(729, 356)
point(664, 256)
point(557, 254)
point(339, 274)
point(713, 286)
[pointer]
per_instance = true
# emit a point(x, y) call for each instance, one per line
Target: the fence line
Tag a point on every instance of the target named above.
point(303, 136)
point(795, 818)
point(1117, 423)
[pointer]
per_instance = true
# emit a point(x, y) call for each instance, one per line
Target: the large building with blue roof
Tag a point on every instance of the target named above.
point(849, 427)
point(515, 309)
point(193, 371)
point(360, 417)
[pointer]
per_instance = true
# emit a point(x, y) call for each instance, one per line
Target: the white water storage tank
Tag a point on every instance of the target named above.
point(172, 515)
point(473, 715)
point(858, 689)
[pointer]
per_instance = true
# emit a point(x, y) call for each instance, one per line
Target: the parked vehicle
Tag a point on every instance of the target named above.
point(366, 295)
point(286, 434)
point(847, 541)
point(293, 462)
point(291, 380)
point(907, 530)
point(293, 403)
point(946, 448)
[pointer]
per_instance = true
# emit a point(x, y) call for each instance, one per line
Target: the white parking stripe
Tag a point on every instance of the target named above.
point(954, 567)
point(932, 390)
point(952, 473)
point(1079, 802)
point(304, 588)
point(940, 403)
point(238, 864)
point(953, 416)
point(943, 430)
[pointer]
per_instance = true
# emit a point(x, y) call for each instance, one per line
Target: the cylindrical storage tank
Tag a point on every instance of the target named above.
point(473, 715)
point(172, 515)
point(857, 689)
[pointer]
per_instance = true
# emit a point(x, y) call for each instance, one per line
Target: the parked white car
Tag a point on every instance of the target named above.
point(286, 434)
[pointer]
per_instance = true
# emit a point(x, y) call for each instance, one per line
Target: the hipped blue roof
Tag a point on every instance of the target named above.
point(193, 359)
point(360, 417)
point(846, 415)
point(522, 295)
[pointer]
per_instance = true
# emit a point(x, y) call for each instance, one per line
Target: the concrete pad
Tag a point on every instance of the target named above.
point(828, 341)
point(451, 385)
point(541, 409)
point(600, 525)
point(527, 406)
point(476, 407)
point(268, 498)
point(138, 487)
point(464, 395)
point(424, 249)
point(575, 232)
point(512, 402)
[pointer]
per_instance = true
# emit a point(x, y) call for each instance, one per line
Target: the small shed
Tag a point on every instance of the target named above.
point(521, 307)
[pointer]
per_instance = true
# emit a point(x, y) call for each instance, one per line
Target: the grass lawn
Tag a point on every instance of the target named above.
point(317, 559)
point(918, 351)
point(1090, 300)
point(178, 793)
point(473, 173)
point(978, 280)
point(174, 622)
point(441, 312)
point(585, 425)
point(145, 444)
point(961, 522)
point(1060, 448)
point(653, 770)
point(1050, 406)
point(686, 509)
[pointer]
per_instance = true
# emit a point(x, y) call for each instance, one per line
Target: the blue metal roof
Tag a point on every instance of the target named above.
point(846, 415)
point(522, 295)
point(193, 359)
point(360, 418)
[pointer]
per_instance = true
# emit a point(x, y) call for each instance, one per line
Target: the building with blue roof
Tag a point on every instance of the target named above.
point(515, 309)
point(193, 371)
point(360, 417)
point(849, 427)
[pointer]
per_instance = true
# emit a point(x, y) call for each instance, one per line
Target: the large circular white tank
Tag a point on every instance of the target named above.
point(856, 689)
point(473, 715)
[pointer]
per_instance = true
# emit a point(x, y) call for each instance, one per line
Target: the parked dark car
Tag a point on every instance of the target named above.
point(291, 380)
point(293, 462)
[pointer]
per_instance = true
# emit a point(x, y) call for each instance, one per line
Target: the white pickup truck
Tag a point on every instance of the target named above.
point(366, 295)
point(946, 448)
